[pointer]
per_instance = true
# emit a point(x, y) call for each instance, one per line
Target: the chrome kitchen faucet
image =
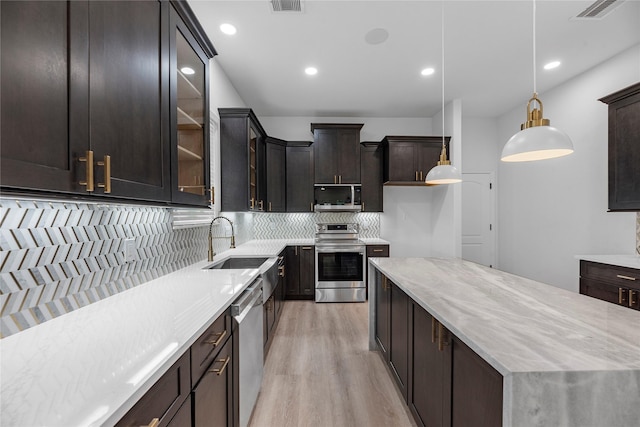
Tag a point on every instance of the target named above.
point(233, 237)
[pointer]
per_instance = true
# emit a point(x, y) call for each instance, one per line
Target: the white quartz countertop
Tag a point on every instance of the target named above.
point(629, 260)
point(566, 359)
point(89, 367)
point(374, 241)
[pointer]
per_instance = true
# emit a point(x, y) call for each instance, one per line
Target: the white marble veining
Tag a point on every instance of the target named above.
point(89, 367)
point(630, 260)
point(567, 359)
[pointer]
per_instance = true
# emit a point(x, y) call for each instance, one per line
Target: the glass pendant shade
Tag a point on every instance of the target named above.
point(443, 173)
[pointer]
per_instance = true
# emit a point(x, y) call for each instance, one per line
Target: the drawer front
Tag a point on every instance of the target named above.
point(620, 295)
point(377, 250)
point(615, 275)
point(206, 348)
point(164, 399)
point(213, 396)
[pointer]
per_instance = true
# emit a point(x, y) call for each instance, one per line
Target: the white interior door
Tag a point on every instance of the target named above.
point(478, 218)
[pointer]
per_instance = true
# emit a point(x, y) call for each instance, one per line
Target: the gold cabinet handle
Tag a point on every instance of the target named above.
point(362, 203)
point(212, 192)
point(154, 423)
point(378, 250)
point(252, 203)
point(339, 179)
point(88, 159)
point(261, 205)
point(620, 276)
point(224, 362)
point(296, 248)
point(281, 271)
point(310, 207)
point(622, 297)
point(417, 176)
point(106, 163)
point(306, 248)
point(633, 298)
point(270, 207)
point(421, 178)
point(442, 341)
point(335, 179)
point(217, 342)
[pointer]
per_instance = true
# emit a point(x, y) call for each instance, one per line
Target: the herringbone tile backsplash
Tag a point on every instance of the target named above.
point(56, 257)
point(302, 225)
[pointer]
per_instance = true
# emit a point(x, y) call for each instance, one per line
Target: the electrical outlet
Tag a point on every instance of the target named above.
point(129, 250)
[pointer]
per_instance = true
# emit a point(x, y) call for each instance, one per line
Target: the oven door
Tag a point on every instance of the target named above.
point(339, 266)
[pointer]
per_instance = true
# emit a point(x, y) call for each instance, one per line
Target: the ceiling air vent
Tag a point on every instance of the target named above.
point(286, 5)
point(599, 9)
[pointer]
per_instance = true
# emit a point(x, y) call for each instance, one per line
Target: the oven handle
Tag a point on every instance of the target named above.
point(357, 249)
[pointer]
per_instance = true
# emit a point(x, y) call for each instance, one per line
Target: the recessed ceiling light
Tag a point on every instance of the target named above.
point(427, 71)
point(552, 65)
point(187, 70)
point(311, 71)
point(376, 36)
point(228, 29)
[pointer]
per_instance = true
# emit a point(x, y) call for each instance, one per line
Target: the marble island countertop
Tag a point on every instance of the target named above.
point(567, 359)
point(89, 367)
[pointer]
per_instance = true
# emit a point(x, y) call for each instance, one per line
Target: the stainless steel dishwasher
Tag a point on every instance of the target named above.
point(247, 312)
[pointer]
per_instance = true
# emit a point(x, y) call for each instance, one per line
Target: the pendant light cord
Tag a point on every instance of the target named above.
point(534, 49)
point(442, 53)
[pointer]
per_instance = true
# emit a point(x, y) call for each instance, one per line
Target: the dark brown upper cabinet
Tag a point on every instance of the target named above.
point(86, 98)
point(371, 164)
point(189, 88)
point(408, 159)
point(337, 153)
point(300, 176)
point(624, 149)
point(243, 161)
point(276, 169)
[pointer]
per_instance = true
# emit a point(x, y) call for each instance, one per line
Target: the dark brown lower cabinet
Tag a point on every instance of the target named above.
point(611, 283)
point(301, 272)
point(431, 369)
point(399, 339)
point(212, 399)
point(444, 382)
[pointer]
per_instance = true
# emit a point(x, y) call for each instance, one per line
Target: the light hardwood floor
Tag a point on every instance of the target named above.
point(320, 372)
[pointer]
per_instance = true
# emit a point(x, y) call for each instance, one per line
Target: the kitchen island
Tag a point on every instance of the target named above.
point(565, 359)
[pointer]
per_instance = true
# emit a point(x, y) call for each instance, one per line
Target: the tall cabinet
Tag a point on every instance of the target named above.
point(87, 94)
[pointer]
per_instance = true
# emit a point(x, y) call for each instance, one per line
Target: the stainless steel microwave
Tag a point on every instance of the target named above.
point(337, 197)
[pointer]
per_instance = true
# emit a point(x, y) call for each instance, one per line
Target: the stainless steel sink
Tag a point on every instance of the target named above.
point(236, 263)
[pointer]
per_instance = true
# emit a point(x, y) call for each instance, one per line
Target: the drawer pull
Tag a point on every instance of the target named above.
point(633, 298)
point(224, 362)
point(217, 342)
point(306, 248)
point(378, 250)
point(88, 180)
point(106, 163)
point(620, 276)
point(154, 423)
point(622, 297)
point(281, 271)
point(442, 341)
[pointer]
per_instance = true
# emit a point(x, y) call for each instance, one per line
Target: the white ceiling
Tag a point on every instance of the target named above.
point(488, 53)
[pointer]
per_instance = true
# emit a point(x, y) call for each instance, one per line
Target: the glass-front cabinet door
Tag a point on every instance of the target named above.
point(190, 117)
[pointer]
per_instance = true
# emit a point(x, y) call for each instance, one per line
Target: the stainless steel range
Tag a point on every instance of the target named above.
point(340, 263)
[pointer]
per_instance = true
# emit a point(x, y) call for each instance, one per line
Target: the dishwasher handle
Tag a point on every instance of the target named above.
point(249, 298)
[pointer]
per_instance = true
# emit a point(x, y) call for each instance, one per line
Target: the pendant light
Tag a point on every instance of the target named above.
point(537, 140)
point(443, 172)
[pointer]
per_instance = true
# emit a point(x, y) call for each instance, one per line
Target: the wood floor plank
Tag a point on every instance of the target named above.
point(320, 372)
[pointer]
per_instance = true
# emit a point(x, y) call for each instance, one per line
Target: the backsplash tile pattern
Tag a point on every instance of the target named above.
point(57, 256)
point(302, 225)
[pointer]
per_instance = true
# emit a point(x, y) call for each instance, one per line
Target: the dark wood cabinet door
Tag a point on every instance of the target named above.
point(399, 337)
point(276, 177)
point(292, 268)
point(430, 373)
point(383, 299)
point(299, 178)
point(476, 389)
point(348, 161)
point(44, 86)
point(326, 156)
point(401, 162)
point(213, 396)
point(307, 270)
point(427, 156)
point(624, 148)
point(604, 291)
point(183, 416)
point(371, 177)
point(128, 105)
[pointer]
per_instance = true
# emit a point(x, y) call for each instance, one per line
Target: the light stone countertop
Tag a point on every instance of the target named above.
point(90, 366)
point(565, 357)
point(375, 241)
point(629, 261)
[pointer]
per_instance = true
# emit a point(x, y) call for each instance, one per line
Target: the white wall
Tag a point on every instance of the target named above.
point(480, 145)
point(551, 210)
point(374, 129)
